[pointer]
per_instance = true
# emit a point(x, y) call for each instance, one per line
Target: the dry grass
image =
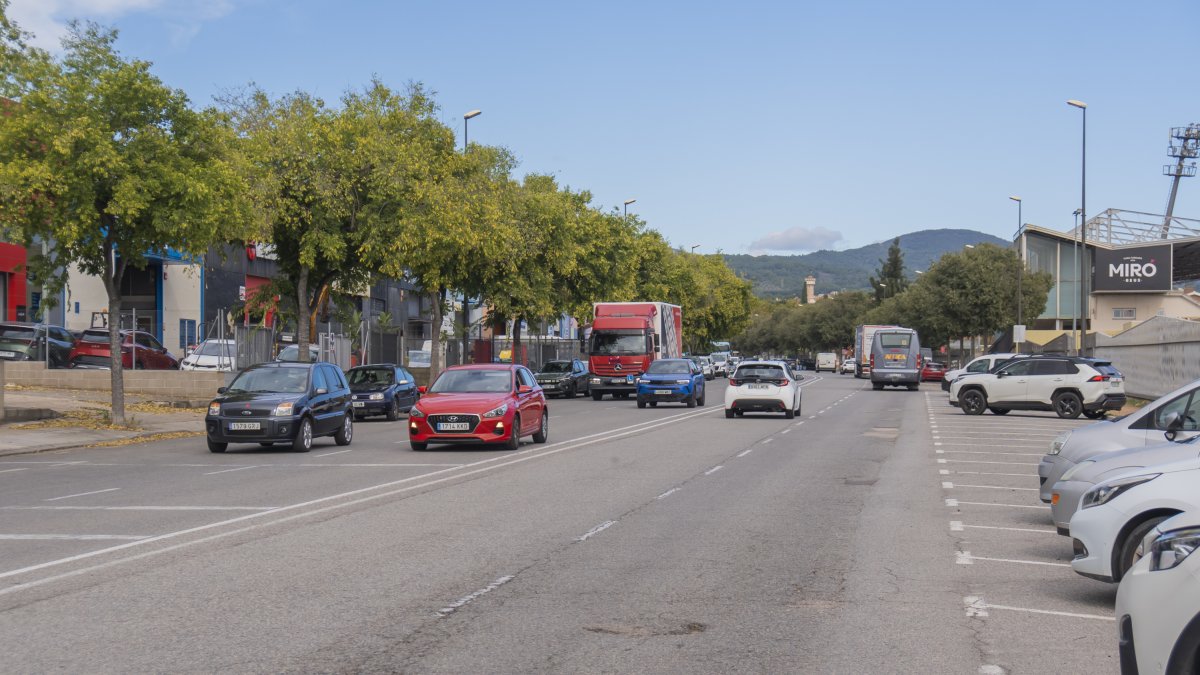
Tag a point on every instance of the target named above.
point(82, 418)
point(148, 438)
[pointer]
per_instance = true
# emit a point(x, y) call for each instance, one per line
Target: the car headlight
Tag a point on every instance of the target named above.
point(1076, 469)
point(416, 412)
point(595, 380)
point(283, 409)
point(642, 380)
point(214, 409)
point(1059, 441)
point(496, 412)
point(683, 381)
point(376, 397)
point(1106, 492)
point(1172, 548)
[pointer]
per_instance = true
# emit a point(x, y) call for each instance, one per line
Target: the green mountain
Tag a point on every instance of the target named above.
point(776, 276)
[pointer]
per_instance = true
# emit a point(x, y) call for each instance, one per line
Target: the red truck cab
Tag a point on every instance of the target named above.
point(626, 337)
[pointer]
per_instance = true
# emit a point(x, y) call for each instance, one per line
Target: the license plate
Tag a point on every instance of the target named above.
point(359, 404)
point(245, 426)
point(663, 392)
point(760, 386)
point(1113, 383)
point(8, 355)
point(453, 426)
point(618, 380)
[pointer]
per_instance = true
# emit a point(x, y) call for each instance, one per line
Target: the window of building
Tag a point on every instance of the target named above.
point(187, 333)
point(1124, 313)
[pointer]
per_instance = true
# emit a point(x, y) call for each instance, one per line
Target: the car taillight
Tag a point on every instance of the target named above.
point(872, 362)
point(733, 382)
point(784, 383)
point(1099, 378)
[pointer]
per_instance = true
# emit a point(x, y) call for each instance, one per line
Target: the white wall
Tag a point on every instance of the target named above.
point(89, 292)
point(181, 300)
point(1147, 305)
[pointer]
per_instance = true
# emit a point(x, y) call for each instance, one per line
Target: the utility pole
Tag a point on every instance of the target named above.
point(1184, 145)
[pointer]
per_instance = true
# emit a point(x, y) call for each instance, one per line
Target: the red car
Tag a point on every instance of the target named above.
point(91, 350)
point(482, 403)
point(933, 372)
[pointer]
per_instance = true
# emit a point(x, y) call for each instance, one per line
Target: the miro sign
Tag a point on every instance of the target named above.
point(1146, 268)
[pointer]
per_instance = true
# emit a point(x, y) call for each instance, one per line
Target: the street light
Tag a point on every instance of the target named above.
point(1083, 295)
point(695, 247)
point(1020, 261)
point(627, 203)
point(969, 246)
point(467, 116)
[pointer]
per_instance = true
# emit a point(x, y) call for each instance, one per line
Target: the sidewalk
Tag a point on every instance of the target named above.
point(83, 421)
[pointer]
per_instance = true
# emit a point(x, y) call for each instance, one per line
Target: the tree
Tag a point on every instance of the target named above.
point(109, 165)
point(891, 280)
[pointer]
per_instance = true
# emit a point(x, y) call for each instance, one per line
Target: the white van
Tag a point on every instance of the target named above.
point(826, 361)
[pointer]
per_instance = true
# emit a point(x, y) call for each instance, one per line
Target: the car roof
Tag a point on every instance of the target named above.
point(286, 364)
point(375, 365)
point(485, 366)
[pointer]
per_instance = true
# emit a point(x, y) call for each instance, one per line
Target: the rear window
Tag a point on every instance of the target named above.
point(17, 332)
point(762, 370)
point(95, 336)
point(894, 340)
point(1107, 369)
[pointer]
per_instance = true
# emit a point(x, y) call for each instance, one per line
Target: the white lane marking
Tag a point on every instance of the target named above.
point(956, 526)
point(990, 670)
point(982, 461)
point(11, 470)
point(240, 468)
point(941, 461)
point(139, 508)
point(996, 487)
point(1005, 529)
point(467, 599)
point(668, 493)
point(597, 530)
point(995, 445)
point(81, 494)
point(952, 503)
point(947, 485)
point(963, 558)
point(799, 423)
point(745, 452)
point(812, 417)
point(536, 452)
point(398, 465)
point(943, 472)
point(977, 606)
point(71, 537)
point(769, 440)
point(714, 469)
point(972, 558)
point(335, 452)
point(993, 452)
point(786, 431)
point(1012, 506)
point(988, 473)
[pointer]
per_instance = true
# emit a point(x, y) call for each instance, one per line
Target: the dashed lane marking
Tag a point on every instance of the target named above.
point(467, 599)
point(597, 530)
point(714, 469)
point(81, 494)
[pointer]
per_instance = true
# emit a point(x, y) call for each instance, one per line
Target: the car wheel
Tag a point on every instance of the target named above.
point(393, 412)
point(623, 395)
point(999, 411)
point(214, 446)
point(728, 414)
point(972, 402)
point(418, 447)
point(641, 403)
point(1094, 414)
point(304, 436)
point(514, 436)
point(740, 413)
point(700, 401)
point(789, 414)
point(597, 395)
point(877, 386)
point(691, 399)
point(346, 433)
point(1129, 547)
point(543, 432)
point(914, 387)
point(653, 404)
point(1067, 405)
point(572, 393)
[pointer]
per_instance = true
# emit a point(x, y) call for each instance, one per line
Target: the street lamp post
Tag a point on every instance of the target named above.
point(1021, 262)
point(627, 203)
point(467, 116)
point(1083, 294)
point(695, 247)
point(466, 307)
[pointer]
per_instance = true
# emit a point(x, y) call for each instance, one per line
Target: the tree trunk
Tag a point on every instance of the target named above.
point(112, 285)
point(302, 318)
point(516, 350)
point(435, 344)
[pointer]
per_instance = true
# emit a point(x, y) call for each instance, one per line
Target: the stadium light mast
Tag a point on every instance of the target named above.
point(1184, 144)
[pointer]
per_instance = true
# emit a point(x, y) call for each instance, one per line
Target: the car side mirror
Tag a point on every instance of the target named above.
point(1002, 374)
point(524, 389)
point(1173, 423)
point(321, 391)
point(422, 389)
point(222, 390)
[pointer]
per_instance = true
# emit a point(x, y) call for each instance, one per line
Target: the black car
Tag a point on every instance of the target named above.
point(563, 378)
point(21, 341)
point(281, 403)
point(381, 389)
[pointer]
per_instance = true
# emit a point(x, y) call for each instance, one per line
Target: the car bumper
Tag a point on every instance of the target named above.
point(1093, 532)
point(495, 430)
point(271, 429)
point(1051, 470)
point(1153, 609)
point(664, 392)
point(1106, 402)
point(945, 384)
point(895, 376)
point(1064, 502)
point(371, 407)
point(757, 404)
point(610, 384)
point(555, 388)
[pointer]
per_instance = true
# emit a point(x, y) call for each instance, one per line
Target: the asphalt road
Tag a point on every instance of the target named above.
point(656, 540)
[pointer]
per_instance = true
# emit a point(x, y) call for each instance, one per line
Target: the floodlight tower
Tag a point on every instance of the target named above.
point(1184, 145)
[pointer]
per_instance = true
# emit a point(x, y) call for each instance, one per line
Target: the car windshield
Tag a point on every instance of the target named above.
point(619, 342)
point(215, 348)
point(894, 340)
point(557, 367)
point(17, 332)
point(473, 381)
point(270, 380)
point(371, 376)
point(669, 366)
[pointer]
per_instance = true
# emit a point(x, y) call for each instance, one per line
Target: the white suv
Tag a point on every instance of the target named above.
point(762, 386)
point(1068, 385)
point(980, 364)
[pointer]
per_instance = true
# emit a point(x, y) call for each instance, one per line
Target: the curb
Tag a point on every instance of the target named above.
point(36, 450)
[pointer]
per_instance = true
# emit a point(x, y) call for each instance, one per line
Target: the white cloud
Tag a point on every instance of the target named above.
point(797, 239)
point(47, 19)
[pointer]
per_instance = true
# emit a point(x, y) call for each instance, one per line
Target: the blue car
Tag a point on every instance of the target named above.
point(671, 380)
point(381, 389)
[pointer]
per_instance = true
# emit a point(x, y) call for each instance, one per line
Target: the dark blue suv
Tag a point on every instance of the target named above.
point(281, 403)
point(381, 389)
point(672, 380)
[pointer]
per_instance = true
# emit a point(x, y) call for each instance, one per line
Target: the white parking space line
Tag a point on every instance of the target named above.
point(240, 468)
point(81, 494)
point(138, 508)
point(995, 487)
point(977, 607)
point(965, 558)
point(993, 452)
point(957, 502)
point(596, 530)
point(994, 445)
point(72, 537)
point(358, 466)
point(335, 452)
point(959, 526)
point(467, 599)
point(984, 461)
point(989, 473)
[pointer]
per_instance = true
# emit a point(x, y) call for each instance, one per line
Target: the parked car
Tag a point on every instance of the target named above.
point(568, 378)
point(216, 355)
point(847, 366)
point(979, 364)
point(281, 403)
point(933, 371)
point(291, 354)
point(381, 389)
point(1067, 385)
point(139, 350)
point(480, 403)
point(21, 341)
point(1145, 426)
point(1116, 515)
point(763, 386)
point(1066, 493)
point(671, 381)
point(896, 359)
point(1158, 602)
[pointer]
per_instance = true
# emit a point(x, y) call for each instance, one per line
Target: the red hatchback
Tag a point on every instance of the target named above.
point(933, 372)
point(139, 350)
point(484, 403)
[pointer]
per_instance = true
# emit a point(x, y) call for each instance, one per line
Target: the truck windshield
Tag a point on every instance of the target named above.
point(619, 342)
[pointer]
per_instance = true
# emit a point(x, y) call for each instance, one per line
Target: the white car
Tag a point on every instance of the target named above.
point(979, 364)
point(1158, 603)
point(1068, 385)
point(762, 386)
point(218, 355)
point(1116, 515)
point(1144, 427)
point(847, 367)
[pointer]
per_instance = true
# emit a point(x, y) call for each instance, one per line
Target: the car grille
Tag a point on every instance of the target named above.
point(236, 411)
point(93, 360)
point(607, 370)
point(435, 420)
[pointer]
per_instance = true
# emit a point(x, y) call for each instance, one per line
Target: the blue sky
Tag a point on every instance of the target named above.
point(743, 127)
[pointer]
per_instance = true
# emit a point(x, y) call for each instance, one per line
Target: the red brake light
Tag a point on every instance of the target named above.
point(872, 362)
point(733, 382)
point(784, 382)
point(1099, 378)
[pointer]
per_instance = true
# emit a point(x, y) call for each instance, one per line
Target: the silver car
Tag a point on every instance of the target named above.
point(1135, 430)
